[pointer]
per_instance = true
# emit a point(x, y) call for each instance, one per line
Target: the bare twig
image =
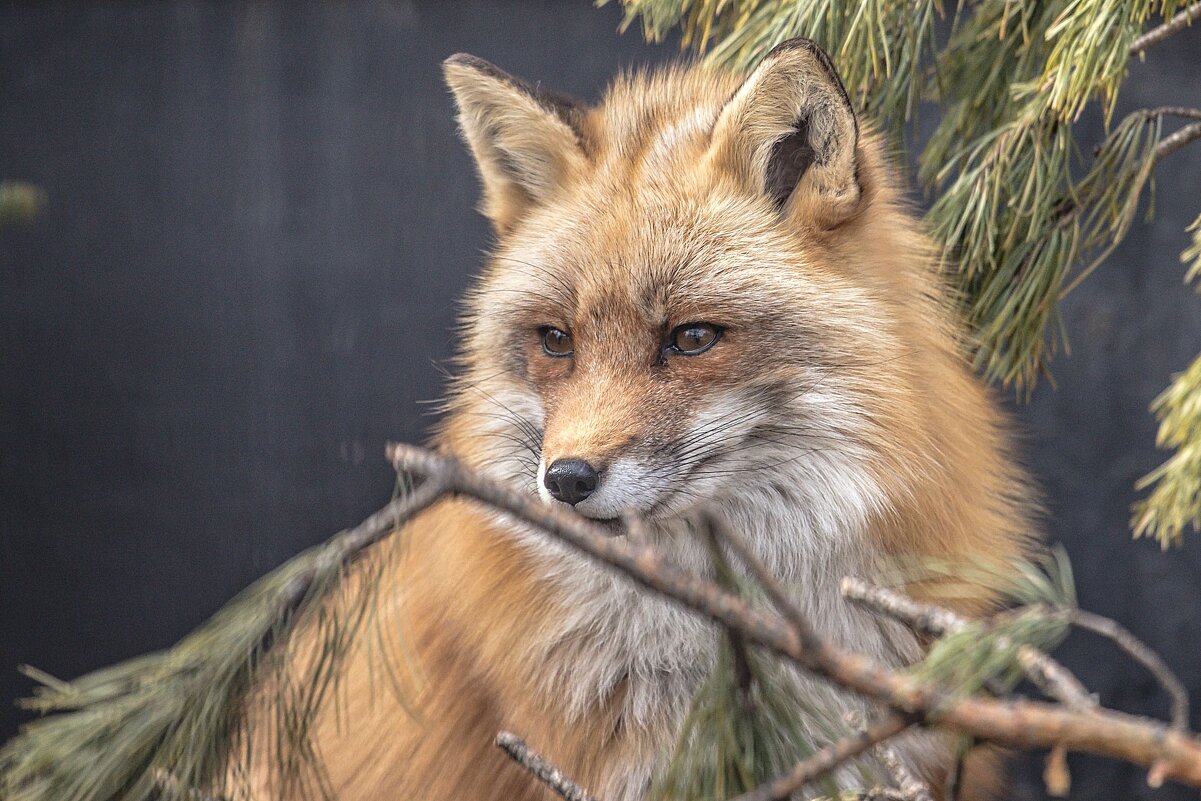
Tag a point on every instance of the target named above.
point(882, 794)
point(1136, 649)
point(544, 771)
point(1016, 722)
point(1170, 28)
point(1174, 111)
point(1178, 139)
point(912, 788)
point(1047, 674)
point(1052, 678)
point(926, 619)
point(1056, 776)
point(909, 787)
point(826, 760)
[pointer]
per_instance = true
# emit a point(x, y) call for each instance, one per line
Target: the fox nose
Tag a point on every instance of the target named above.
point(571, 480)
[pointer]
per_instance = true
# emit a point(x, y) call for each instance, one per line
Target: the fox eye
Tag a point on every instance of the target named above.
point(555, 342)
point(691, 339)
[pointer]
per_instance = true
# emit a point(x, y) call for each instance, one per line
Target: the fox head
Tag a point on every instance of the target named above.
point(704, 291)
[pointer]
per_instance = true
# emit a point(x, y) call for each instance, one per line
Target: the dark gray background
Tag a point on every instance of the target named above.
point(259, 220)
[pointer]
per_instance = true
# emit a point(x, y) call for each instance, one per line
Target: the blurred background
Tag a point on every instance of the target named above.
point(258, 221)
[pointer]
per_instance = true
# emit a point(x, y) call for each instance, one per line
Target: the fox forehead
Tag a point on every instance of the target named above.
point(657, 261)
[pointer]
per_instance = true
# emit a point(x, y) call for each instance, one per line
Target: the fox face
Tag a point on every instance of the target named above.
point(661, 366)
point(666, 316)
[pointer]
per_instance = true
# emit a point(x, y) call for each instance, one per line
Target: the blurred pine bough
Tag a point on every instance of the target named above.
point(19, 201)
point(1023, 212)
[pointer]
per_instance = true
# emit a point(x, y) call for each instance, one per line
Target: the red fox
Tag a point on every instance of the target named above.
point(706, 292)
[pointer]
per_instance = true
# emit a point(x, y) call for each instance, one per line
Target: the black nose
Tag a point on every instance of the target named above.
point(570, 480)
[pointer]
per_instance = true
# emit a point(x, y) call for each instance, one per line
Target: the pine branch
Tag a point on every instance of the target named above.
point(1015, 722)
point(352, 543)
point(540, 768)
point(1046, 673)
point(1168, 29)
point(111, 735)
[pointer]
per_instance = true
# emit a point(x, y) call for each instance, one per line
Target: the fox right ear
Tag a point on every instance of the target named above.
point(789, 132)
point(526, 141)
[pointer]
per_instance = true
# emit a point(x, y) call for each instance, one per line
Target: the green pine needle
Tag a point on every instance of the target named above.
point(1175, 502)
point(1192, 254)
point(113, 734)
point(734, 738)
point(985, 654)
point(19, 201)
point(747, 722)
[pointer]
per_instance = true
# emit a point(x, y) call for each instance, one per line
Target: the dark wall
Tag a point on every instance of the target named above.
point(259, 220)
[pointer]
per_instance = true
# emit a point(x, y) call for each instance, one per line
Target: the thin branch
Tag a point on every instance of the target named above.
point(826, 760)
point(882, 794)
point(1136, 649)
point(542, 770)
point(1055, 680)
point(1174, 111)
point(775, 593)
point(1170, 28)
point(925, 619)
point(1016, 722)
point(912, 788)
point(1178, 139)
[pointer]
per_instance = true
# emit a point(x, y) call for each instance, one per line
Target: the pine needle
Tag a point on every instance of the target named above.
point(985, 654)
point(113, 735)
point(19, 201)
point(746, 724)
point(1175, 502)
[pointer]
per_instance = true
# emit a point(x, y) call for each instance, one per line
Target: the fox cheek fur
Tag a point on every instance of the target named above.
point(832, 420)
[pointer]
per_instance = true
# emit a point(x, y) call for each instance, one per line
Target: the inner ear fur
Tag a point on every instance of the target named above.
point(526, 141)
point(790, 133)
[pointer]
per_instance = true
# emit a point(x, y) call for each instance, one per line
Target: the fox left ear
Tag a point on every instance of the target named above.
point(790, 132)
point(526, 141)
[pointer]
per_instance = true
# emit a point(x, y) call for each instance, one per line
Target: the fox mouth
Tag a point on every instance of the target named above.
point(614, 526)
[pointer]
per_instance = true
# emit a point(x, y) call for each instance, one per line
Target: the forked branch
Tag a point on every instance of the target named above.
point(1047, 674)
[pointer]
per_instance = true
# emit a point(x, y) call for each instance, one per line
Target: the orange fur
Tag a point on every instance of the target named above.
point(839, 348)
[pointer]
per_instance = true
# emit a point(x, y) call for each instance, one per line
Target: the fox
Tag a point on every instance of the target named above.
point(707, 291)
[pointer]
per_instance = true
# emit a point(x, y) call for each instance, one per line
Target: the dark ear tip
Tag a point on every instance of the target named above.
point(475, 64)
point(814, 49)
point(823, 59)
point(802, 43)
point(462, 60)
